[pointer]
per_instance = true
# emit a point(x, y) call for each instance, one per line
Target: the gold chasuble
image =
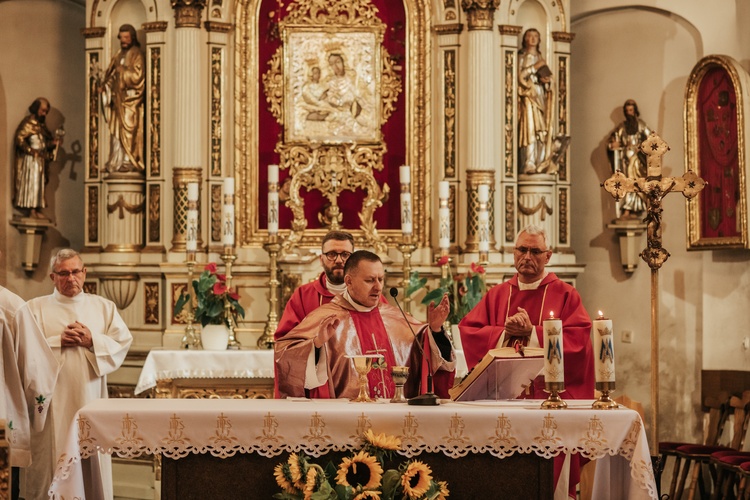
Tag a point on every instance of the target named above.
point(328, 373)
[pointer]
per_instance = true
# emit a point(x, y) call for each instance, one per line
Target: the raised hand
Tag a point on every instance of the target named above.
point(437, 314)
point(326, 330)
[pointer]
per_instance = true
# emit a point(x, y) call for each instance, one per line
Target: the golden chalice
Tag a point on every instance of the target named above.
point(363, 364)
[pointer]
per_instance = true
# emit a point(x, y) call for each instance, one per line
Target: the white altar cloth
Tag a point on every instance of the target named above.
point(224, 427)
point(183, 363)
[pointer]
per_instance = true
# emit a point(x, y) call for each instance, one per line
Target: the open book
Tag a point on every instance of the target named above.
point(502, 374)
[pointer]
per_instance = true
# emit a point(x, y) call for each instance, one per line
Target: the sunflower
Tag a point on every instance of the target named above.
point(416, 479)
point(382, 441)
point(347, 473)
point(284, 478)
point(297, 468)
point(444, 491)
point(368, 494)
point(313, 479)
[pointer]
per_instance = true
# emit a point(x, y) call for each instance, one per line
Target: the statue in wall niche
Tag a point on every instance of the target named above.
point(36, 147)
point(534, 106)
point(624, 151)
point(123, 95)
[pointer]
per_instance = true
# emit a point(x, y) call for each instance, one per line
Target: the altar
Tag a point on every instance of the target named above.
point(497, 434)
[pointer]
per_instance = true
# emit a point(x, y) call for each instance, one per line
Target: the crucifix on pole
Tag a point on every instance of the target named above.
point(654, 188)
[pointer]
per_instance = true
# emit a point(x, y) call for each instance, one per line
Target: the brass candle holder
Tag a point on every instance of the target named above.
point(191, 339)
point(228, 257)
point(399, 374)
point(554, 401)
point(407, 249)
point(605, 402)
point(273, 247)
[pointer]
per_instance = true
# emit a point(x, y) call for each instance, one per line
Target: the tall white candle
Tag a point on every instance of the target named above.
point(604, 350)
point(273, 212)
point(273, 174)
point(404, 174)
point(444, 228)
point(483, 228)
point(228, 187)
point(227, 213)
point(192, 191)
point(444, 190)
point(191, 236)
point(554, 364)
point(483, 193)
point(406, 224)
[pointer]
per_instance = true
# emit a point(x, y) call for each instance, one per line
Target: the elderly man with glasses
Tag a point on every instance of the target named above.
point(89, 339)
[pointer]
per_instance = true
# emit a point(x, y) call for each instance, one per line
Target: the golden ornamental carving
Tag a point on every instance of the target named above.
point(151, 306)
point(155, 106)
point(123, 206)
point(187, 13)
point(541, 207)
point(273, 83)
point(155, 26)
point(219, 27)
point(331, 170)
point(510, 110)
point(448, 29)
point(510, 214)
point(563, 215)
point(216, 213)
point(93, 214)
point(217, 59)
point(93, 32)
point(154, 210)
point(563, 36)
point(90, 287)
point(332, 12)
point(289, 283)
point(449, 110)
point(509, 29)
point(93, 167)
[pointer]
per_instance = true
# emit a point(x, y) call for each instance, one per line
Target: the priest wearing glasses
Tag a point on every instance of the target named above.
point(311, 359)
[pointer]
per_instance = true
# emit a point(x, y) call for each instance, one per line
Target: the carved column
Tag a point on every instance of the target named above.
point(188, 120)
point(481, 143)
point(448, 63)
point(561, 49)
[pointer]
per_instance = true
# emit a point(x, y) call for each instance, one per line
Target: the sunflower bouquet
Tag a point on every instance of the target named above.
point(360, 476)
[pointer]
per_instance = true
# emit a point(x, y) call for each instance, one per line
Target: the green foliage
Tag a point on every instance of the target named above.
point(216, 304)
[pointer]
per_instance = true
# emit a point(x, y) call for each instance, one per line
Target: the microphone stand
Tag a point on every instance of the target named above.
point(429, 398)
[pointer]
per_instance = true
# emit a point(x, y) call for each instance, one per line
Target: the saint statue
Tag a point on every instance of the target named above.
point(123, 95)
point(534, 106)
point(36, 148)
point(624, 148)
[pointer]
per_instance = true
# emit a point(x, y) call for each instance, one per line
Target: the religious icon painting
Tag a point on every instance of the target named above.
point(716, 106)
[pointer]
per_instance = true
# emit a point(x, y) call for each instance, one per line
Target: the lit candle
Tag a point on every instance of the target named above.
point(604, 360)
point(404, 174)
point(191, 223)
point(227, 213)
point(554, 364)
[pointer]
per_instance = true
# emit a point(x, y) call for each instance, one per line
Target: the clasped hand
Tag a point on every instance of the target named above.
point(76, 335)
point(519, 325)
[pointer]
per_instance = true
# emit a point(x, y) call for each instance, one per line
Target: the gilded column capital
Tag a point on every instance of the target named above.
point(509, 29)
point(479, 13)
point(563, 36)
point(155, 26)
point(187, 13)
point(448, 29)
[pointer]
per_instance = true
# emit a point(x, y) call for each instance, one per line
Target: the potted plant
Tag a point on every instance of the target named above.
point(464, 290)
point(217, 307)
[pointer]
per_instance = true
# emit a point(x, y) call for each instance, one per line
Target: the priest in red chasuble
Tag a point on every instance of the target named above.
point(311, 359)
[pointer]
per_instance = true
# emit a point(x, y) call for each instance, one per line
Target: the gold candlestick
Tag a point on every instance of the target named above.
point(554, 401)
point(191, 339)
point(407, 248)
point(273, 247)
point(605, 402)
point(228, 257)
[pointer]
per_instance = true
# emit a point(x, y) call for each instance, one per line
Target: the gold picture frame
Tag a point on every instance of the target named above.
point(715, 111)
point(332, 85)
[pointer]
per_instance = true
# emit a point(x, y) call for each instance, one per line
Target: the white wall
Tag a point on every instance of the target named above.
point(43, 57)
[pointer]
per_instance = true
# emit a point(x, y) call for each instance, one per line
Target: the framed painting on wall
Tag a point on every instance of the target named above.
point(716, 103)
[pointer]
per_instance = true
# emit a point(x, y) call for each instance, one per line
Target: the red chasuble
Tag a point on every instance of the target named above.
point(303, 301)
point(482, 327)
point(382, 330)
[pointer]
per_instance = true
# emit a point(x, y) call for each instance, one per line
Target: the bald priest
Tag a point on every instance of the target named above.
point(311, 359)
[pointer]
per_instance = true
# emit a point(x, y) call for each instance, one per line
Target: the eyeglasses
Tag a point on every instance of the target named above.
point(66, 274)
point(332, 256)
point(536, 252)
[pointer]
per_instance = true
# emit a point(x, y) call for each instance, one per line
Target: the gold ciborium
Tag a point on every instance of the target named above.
point(363, 364)
point(399, 374)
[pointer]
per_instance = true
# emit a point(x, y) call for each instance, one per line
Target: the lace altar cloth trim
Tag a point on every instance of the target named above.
point(171, 364)
point(223, 428)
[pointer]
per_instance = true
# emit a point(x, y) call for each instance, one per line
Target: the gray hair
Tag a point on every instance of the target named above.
point(533, 230)
point(62, 255)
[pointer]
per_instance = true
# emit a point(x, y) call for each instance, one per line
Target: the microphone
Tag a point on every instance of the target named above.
point(430, 398)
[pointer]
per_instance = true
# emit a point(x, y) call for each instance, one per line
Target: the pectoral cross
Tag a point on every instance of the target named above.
point(654, 188)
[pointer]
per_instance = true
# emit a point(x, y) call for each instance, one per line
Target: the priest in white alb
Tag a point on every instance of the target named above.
point(90, 340)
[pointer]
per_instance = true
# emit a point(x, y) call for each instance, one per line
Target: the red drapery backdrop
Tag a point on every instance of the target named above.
point(717, 133)
point(394, 131)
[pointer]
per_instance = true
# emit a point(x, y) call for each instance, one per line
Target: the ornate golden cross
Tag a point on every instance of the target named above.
point(654, 188)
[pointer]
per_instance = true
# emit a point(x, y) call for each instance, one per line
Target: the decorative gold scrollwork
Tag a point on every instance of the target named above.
point(122, 206)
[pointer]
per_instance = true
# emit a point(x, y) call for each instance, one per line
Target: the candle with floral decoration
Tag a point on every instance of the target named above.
point(406, 208)
point(273, 199)
point(554, 364)
point(604, 350)
point(227, 213)
point(444, 217)
point(191, 229)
